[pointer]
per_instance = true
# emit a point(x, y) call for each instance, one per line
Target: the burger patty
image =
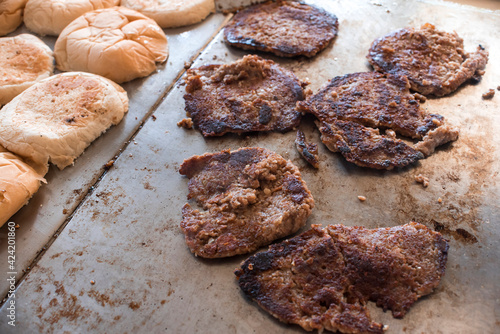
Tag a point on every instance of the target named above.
point(249, 197)
point(251, 94)
point(323, 278)
point(284, 28)
point(359, 115)
point(434, 61)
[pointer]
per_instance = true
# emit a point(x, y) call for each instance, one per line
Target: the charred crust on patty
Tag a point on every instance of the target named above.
point(248, 95)
point(360, 115)
point(323, 278)
point(434, 61)
point(284, 28)
point(247, 199)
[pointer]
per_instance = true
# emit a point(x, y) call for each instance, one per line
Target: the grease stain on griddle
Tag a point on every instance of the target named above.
point(463, 173)
point(459, 234)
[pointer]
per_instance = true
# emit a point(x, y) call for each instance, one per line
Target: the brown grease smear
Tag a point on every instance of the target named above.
point(467, 164)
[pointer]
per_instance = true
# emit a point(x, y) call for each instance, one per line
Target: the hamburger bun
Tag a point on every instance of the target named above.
point(11, 15)
point(18, 182)
point(50, 17)
point(24, 60)
point(173, 13)
point(117, 43)
point(57, 118)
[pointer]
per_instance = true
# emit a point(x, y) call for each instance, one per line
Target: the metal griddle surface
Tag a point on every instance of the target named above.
point(125, 234)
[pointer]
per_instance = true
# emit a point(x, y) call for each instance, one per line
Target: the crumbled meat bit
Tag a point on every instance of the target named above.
point(309, 151)
point(393, 104)
point(153, 117)
point(422, 179)
point(109, 164)
point(186, 123)
point(420, 97)
point(187, 64)
point(92, 282)
point(362, 198)
point(489, 94)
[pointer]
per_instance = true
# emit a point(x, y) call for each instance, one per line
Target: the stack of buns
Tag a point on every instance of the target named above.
point(49, 118)
point(53, 121)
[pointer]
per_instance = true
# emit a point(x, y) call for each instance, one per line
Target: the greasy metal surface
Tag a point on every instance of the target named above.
point(56, 200)
point(126, 237)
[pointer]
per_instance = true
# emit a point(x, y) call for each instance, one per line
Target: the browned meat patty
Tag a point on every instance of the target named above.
point(309, 151)
point(251, 94)
point(323, 278)
point(284, 28)
point(434, 61)
point(352, 109)
point(249, 197)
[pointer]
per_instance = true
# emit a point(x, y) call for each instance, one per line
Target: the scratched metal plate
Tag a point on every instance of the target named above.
point(126, 238)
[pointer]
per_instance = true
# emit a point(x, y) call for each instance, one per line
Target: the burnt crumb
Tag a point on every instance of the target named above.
point(109, 164)
point(489, 94)
point(309, 151)
point(134, 305)
point(422, 179)
point(153, 117)
point(186, 123)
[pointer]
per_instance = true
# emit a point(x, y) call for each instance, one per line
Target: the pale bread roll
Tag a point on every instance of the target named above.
point(18, 182)
point(24, 60)
point(117, 43)
point(50, 17)
point(173, 13)
point(11, 15)
point(57, 118)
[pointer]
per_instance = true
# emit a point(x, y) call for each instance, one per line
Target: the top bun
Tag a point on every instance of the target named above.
point(173, 13)
point(118, 43)
point(57, 118)
point(24, 60)
point(11, 15)
point(50, 17)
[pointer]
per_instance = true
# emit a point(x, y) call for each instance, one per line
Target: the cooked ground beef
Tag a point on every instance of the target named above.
point(323, 278)
point(284, 28)
point(434, 61)
point(249, 197)
point(251, 94)
point(359, 115)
